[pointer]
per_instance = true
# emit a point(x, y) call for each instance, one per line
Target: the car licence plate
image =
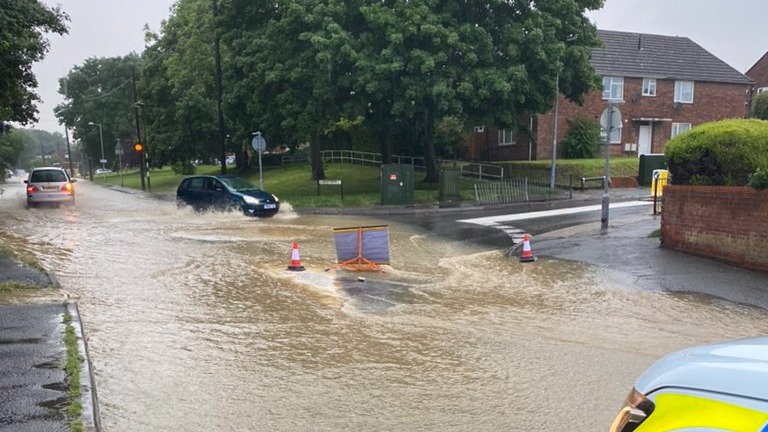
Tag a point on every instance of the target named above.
point(269, 206)
point(49, 188)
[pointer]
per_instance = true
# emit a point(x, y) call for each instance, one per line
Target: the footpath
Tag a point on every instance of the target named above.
point(32, 396)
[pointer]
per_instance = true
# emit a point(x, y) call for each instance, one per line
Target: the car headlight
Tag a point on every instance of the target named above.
point(250, 200)
point(634, 411)
point(275, 198)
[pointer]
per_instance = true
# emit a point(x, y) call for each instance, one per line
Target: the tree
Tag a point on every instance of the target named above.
point(22, 25)
point(99, 92)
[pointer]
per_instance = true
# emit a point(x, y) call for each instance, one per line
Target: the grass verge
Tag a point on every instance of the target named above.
point(72, 367)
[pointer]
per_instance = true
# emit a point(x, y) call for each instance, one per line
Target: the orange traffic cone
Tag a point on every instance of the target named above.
point(295, 260)
point(527, 255)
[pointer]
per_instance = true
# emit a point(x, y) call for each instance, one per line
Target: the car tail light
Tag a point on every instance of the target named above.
point(32, 189)
point(634, 411)
point(67, 187)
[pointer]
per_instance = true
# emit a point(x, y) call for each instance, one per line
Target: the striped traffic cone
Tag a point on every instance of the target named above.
point(527, 255)
point(295, 260)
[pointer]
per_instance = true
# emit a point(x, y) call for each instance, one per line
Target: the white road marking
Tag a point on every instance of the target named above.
point(496, 220)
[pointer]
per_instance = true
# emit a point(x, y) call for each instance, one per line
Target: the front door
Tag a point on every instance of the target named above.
point(644, 140)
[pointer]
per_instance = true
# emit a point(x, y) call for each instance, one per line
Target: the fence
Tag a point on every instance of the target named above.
point(518, 190)
point(481, 171)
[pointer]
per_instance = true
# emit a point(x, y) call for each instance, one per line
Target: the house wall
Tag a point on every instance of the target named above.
point(711, 102)
point(759, 72)
point(724, 223)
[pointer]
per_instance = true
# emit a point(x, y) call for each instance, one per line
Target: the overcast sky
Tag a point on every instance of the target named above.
point(733, 30)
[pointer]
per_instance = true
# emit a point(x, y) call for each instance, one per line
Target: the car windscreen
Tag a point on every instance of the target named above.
point(42, 176)
point(238, 184)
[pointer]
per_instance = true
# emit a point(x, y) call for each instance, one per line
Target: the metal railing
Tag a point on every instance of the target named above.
point(517, 190)
point(479, 170)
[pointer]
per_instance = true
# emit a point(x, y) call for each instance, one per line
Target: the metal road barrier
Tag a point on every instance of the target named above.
point(517, 190)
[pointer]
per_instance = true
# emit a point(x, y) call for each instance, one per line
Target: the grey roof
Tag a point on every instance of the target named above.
point(664, 57)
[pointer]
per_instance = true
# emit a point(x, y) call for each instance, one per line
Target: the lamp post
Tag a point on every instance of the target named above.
point(119, 153)
point(101, 139)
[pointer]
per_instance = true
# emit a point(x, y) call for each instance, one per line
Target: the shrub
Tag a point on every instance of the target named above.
point(722, 153)
point(759, 107)
point(759, 179)
point(184, 168)
point(582, 139)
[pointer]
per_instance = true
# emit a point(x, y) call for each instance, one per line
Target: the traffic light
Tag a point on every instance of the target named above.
point(138, 147)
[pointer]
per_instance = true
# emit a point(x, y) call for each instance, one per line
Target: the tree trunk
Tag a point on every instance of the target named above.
point(385, 146)
point(430, 155)
point(315, 147)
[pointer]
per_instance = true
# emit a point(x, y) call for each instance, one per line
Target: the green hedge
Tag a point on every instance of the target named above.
point(723, 153)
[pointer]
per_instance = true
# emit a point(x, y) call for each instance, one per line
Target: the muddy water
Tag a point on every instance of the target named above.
point(194, 324)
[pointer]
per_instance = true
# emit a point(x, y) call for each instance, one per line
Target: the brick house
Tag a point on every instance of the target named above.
point(759, 74)
point(662, 86)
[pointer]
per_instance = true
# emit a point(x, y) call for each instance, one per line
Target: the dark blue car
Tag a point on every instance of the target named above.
point(226, 193)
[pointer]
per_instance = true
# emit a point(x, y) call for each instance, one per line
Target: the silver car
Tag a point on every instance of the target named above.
point(50, 185)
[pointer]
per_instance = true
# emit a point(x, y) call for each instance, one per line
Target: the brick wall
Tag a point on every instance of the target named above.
point(724, 223)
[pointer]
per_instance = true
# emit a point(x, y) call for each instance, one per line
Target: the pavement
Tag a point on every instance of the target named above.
point(31, 336)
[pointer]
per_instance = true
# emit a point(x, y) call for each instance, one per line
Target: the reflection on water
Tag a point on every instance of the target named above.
point(194, 324)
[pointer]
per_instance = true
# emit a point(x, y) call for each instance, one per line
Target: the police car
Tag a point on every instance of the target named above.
point(713, 388)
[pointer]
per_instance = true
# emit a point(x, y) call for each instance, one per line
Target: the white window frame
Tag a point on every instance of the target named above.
point(507, 137)
point(762, 89)
point(684, 92)
point(479, 129)
point(649, 86)
point(613, 88)
point(678, 128)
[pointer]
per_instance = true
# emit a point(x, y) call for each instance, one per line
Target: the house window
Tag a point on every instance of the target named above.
point(615, 125)
point(678, 128)
point(762, 89)
point(613, 88)
point(649, 87)
point(479, 129)
point(684, 91)
point(506, 137)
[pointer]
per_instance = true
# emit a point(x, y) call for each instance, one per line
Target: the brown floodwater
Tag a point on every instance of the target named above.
point(194, 324)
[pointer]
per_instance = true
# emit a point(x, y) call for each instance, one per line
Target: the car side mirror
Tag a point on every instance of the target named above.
point(26, 181)
point(73, 180)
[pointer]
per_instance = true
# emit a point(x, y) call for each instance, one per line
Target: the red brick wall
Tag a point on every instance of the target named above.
point(759, 72)
point(725, 223)
point(711, 102)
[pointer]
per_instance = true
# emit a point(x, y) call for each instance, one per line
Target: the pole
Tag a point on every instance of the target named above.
point(69, 153)
point(219, 90)
point(142, 168)
point(101, 140)
point(554, 133)
point(261, 175)
point(607, 171)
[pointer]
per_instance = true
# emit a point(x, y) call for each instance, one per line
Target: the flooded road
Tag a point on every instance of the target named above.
point(194, 324)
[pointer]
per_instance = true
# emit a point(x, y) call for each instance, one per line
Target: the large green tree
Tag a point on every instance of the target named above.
point(99, 91)
point(23, 24)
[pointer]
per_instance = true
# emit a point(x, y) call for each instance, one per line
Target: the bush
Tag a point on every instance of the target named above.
point(759, 179)
point(759, 107)
point(184, 168)
point(722, 153)
point(581, 141)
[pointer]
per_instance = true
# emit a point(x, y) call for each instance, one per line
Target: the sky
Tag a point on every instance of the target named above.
point(732, 30)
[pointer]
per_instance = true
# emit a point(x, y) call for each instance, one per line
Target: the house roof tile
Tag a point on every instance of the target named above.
point(664, 57)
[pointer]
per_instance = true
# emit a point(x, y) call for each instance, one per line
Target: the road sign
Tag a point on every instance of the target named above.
point(258, 143)
point(102, 161)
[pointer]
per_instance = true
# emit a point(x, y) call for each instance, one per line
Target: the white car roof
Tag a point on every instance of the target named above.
point(736, 367)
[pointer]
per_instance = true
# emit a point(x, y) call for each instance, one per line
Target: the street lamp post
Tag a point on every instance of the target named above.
point(101, 139)
point(607, 167)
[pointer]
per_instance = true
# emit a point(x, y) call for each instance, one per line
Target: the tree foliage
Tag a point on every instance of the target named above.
point(392, 75)
point(23, 24)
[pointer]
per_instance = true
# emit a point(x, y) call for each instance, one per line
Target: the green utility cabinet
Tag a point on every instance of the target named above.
point(649, 163)
point(397, 184)
point(450, 187)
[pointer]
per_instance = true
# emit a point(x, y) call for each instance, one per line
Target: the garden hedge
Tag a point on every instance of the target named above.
point(722, 153)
